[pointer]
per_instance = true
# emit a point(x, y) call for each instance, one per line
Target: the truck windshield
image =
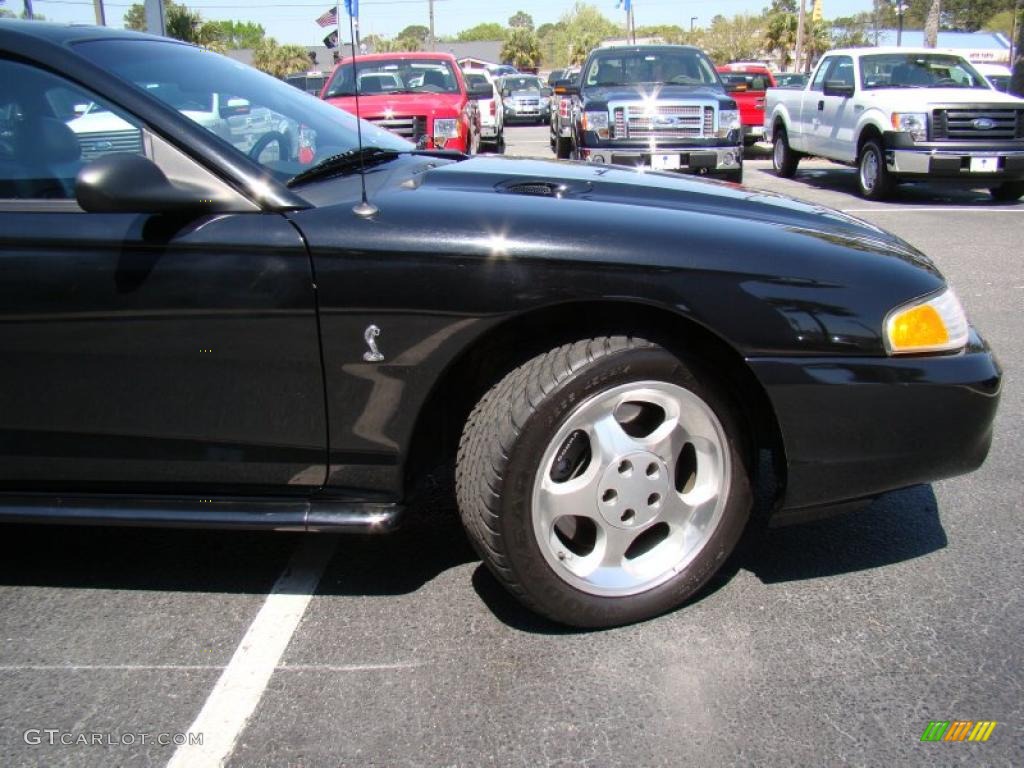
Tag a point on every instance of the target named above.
point(391, 75)
point(684, 67)
point(918, 70)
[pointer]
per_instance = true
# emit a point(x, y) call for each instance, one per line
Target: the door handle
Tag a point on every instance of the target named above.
point(821, 105)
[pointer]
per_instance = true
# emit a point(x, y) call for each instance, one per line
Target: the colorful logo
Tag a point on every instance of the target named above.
point(958, 730)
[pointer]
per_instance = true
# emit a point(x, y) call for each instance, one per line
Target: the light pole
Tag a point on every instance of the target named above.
point(901, 8)
point(692, 19)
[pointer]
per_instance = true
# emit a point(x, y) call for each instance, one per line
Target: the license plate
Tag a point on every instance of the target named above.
point(665, 162)
point(984, 164)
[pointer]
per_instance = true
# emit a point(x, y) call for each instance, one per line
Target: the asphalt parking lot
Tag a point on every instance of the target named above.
point(833, 643)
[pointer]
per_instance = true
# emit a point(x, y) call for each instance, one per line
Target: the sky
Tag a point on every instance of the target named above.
point(294, 22)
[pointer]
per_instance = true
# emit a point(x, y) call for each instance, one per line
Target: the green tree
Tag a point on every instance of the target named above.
point(521, 49)
point(234, 34)
point(670, 34)
point(279, 60)
point(521, 20)
point(486, 31)
point(780, 30)
point(578, 32)
point(1001, 22)
point(415, 33)
point(740, 37)
point(852, 31)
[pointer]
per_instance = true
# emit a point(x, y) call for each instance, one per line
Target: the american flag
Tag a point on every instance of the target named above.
point(329, 19)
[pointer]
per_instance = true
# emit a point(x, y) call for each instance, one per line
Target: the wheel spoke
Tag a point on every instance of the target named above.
point(576, 497)
point(611, 440)
point(616, 542)
point(667, 441)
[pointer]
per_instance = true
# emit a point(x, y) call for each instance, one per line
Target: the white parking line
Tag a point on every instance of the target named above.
point(238, 691)
point(918, 209)
point(201, 667)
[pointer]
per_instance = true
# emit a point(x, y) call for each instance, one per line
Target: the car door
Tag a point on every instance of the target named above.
point(143, 353)
point(813, 108)
point(838, 116)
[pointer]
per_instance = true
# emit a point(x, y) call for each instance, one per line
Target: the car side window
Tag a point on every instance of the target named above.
point(818, 83)
point(49, 129)
point(842, 70)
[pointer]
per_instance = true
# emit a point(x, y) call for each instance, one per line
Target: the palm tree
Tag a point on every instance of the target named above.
point(279, 60)
point(521, 48)
point(931, 24)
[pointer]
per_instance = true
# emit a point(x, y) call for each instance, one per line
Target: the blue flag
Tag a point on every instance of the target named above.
point(627, 4)
point(352, 6)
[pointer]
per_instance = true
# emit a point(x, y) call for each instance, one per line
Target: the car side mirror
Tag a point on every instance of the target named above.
point(128, 183)
point(481, 91)
point(567, 87)
point(838, 88)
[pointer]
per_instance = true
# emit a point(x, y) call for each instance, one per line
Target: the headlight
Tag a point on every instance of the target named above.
point(938, 324)
point(446, 128)
point(597, 122)
point(914, 123)
point(728, 120)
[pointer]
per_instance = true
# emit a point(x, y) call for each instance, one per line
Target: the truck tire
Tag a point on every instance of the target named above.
point(1008, 191)
point(563, 148)
point(579, 471)
point(873, 179)
point(784, 159)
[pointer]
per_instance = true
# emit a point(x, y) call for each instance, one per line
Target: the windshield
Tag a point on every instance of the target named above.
point(750, 81)
point(521, 84)
point(278, 126)
point(684, 67)
point(394, 75)
point(473, 79)
point(918, 70)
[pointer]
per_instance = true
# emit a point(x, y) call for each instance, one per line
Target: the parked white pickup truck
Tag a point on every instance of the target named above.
point(901, 114)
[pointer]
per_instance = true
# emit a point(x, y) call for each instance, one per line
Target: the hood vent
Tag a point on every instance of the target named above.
point(536, 188)
point(545, 188)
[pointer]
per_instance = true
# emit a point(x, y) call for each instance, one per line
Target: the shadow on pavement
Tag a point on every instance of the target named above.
point(837, 178)
point(899, 526)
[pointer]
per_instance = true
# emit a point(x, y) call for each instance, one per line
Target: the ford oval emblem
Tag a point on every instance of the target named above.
point(103, 146)
point(984, 124)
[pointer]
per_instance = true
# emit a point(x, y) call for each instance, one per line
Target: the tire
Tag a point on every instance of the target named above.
point(1008, 191)
point(784, 159)
point(563, 148)
point(874, 182)
point(526, 429)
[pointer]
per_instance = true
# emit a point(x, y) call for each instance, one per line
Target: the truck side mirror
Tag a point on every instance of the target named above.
point(566, 87)
point(838, 88)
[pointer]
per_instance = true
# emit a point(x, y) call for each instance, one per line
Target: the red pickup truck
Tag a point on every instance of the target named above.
point(746, 83)
point(420, 96)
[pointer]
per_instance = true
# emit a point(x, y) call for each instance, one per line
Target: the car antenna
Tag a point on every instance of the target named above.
point(364, 208)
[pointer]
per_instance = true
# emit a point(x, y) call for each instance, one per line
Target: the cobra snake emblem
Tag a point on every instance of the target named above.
point(374, 355)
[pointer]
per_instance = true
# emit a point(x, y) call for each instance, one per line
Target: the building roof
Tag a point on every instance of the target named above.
point(483, 50)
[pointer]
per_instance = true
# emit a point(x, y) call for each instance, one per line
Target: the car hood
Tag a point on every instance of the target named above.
point(642, 92)
point(554, 182)
point(401, 104)
point(909, 99)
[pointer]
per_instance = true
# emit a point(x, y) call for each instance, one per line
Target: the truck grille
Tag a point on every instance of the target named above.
point(977, 123)
point(104, 143)
point(668, 121)
point(412, 128)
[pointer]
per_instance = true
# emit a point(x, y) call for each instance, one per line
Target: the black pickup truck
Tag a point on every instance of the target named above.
point(661, 106)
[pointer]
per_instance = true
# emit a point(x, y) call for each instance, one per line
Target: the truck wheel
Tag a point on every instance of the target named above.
point(873, 178)
point(784, 159)
point(604, 482)
point(1008, 191)
point(563, 148)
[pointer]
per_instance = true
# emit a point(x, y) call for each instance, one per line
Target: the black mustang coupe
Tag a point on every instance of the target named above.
point(204, 322)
